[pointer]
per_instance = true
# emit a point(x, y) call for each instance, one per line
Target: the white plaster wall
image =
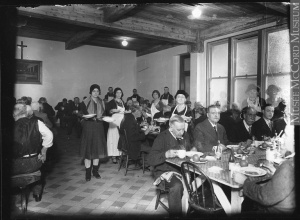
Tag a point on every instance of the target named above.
point(69, 73)
point(157, 70)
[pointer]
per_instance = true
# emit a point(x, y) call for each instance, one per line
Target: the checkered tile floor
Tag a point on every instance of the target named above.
point(66, 192)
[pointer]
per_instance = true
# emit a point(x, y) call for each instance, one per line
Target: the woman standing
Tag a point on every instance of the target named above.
point(116, 109)
point(93, 143)
point(156, 105)
point(182, 109)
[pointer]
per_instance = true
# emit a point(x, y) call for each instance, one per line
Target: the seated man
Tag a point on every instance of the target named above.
point(165, 113)
point(243, 129)
point(62, 112)
point(275, 196)
point(28, 155)
point(210, 133)
point(228, 123)
point(263, 128)
point(134, 133)
point(165, 146)
point(43, 116)
point(46, 108)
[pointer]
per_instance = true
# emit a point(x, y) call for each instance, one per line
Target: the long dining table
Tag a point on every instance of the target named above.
point(224, 177)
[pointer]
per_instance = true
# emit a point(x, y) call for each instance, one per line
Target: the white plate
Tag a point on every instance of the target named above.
point(192, 153)
point(201, 160)
point(162, 120)
point(252, 171)
point(238, 156)
point(108, 119)
point(89, 115)
point(232, 146)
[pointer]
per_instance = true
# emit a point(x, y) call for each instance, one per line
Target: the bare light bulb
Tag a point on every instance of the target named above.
point(196, 12)
point(124, 43)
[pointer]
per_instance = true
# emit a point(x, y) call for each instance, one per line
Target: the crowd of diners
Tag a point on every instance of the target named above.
point(197, 129)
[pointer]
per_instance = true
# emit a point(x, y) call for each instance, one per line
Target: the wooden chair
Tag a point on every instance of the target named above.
point(23, 181)
point(158, 199)
point(124, 147)
point(200, 190)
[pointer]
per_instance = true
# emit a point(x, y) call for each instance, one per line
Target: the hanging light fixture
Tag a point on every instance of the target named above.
point(196, 12)
point(124, 43)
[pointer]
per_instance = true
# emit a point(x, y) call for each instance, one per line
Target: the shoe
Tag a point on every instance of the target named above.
point(95, 172)
point(88, 174)
point(37, 198)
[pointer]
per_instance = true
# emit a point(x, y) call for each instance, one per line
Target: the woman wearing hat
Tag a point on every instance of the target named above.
point(254, 100)
point(183, 110)
point(93, 143)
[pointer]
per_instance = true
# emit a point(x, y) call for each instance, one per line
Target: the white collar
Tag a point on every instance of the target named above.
point(247, 126)
point(174, 135)
point(214, 125)
point(267, 120)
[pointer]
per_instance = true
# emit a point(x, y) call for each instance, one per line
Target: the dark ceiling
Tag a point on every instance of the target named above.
point(149, 27)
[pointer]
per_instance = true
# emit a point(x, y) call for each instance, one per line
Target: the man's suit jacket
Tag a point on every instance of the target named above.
point(206, 137)
point(260, 129)
point(279, 125)
point(241, 133)
point(134, 135)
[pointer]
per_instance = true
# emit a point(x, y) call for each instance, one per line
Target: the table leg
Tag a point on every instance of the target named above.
point(222, 198)
point(236, 201)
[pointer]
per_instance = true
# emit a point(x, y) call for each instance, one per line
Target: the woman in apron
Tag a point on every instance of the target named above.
point(254, 100)
point(116, 109)
point(156, 105)
point(182, 109)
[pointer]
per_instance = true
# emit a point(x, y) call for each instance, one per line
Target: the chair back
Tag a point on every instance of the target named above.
point(123, 143)
point(200, 190)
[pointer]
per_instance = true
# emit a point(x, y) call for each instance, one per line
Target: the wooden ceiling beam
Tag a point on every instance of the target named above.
point(79, 38)
point(276, 6)
point(116, 12)
point(89, 17)
point(154, 49)
point(240, 24)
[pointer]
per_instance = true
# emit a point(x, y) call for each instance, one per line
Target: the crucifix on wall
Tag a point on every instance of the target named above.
point(21, 45)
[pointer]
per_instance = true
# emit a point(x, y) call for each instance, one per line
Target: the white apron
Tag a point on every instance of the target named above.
point(113, 134)
point(153, 110)
point(185, 123)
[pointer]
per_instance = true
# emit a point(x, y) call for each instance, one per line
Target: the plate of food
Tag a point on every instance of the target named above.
point(161, 120)
point(201, 160)
point(232, 146)
point(238, 156)
point(108, 119)
point(252, 171)
point(192, 153)
point(89, 116)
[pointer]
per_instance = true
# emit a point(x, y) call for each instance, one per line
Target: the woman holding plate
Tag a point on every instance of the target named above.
point(93, 143)
point(115, 109)
point(182, 110)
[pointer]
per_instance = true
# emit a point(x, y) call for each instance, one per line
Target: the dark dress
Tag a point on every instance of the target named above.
point(93, 143)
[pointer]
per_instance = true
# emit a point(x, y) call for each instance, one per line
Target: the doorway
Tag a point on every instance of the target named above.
point(184, 75)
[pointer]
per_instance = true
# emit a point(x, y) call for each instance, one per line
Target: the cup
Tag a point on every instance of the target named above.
point(218, 152)
point(181, 154)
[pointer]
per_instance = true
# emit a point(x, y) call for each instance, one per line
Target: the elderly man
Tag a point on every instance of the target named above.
point(263, 128)
point(243, 129)
point(210, 133)
point(28, 155)
point(43, 116)
point(166, 146)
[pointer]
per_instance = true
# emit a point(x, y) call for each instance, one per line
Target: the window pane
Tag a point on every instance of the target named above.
point(240, 87)
point(278, 52)
point(246, 57)
point(218, 91)
point(186, 65)
point(219, 54)
point(283, 82)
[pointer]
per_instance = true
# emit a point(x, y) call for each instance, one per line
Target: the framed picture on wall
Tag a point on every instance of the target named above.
point(28, 71)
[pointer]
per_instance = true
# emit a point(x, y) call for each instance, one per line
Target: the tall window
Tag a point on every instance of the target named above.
point(184, 82)
point(218, 69)
point(261, 58)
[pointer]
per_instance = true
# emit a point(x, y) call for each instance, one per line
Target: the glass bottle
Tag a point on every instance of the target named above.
point(231, 161)
point(244, 161)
